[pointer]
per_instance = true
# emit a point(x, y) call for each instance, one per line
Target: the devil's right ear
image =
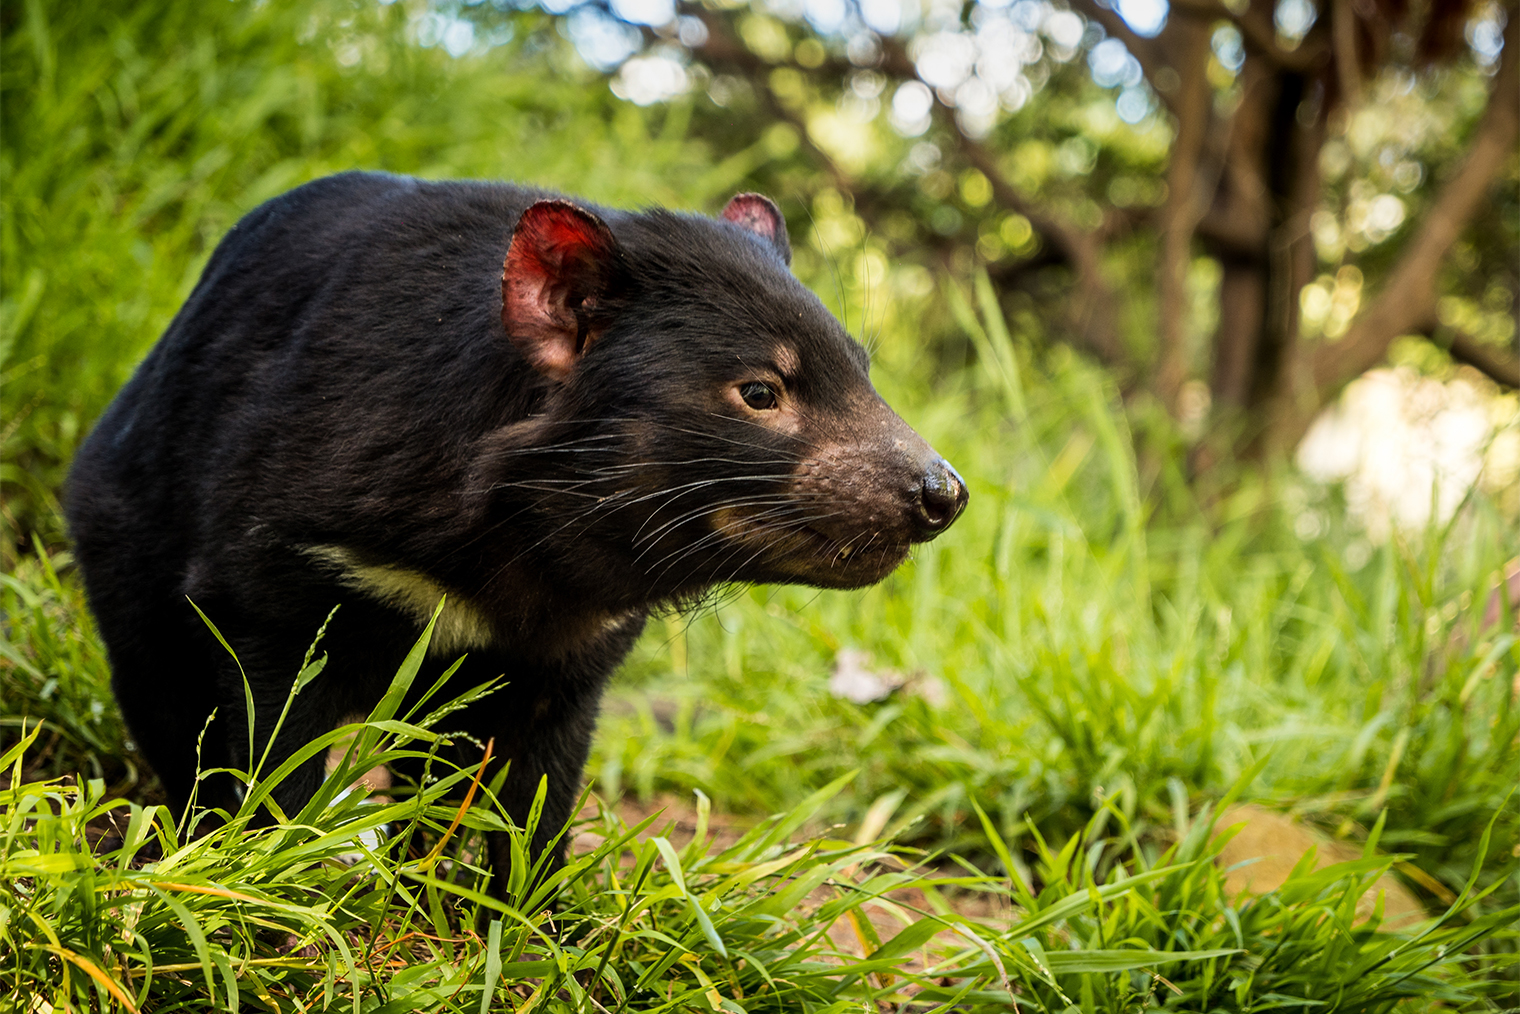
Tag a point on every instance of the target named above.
point(559, 267)
point(758, 214)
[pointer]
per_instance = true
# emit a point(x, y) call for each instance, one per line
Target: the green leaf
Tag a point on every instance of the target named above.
point(704, 922)
point(1073, 962)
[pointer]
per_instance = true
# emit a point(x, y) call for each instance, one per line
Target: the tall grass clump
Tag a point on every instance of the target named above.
point(107, 904)
point(54, 679)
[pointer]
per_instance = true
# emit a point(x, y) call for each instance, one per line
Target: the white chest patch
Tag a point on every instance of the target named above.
point(460, 628)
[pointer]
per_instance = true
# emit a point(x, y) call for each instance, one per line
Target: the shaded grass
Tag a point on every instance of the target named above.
point(53, 671)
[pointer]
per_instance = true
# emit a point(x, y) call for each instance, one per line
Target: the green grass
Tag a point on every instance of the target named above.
point(312, 914)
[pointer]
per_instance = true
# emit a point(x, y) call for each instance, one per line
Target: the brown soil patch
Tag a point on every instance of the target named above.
point(888, 915)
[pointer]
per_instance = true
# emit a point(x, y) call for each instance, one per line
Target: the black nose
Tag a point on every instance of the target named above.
point(943, 498)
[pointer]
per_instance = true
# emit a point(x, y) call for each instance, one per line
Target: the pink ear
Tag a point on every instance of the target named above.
point(759, 214)
point(559, 265)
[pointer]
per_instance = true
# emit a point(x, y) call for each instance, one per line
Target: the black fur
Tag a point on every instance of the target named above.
point(339, 405)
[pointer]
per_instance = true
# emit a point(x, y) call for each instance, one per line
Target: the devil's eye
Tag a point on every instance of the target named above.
point(757, 396)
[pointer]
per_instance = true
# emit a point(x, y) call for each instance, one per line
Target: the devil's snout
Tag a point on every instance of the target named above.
point(942, 498)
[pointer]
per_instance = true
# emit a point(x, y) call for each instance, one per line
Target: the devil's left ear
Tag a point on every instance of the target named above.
point(562, 263)
point(758, 214)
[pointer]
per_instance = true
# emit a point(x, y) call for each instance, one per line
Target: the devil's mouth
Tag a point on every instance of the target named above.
point(812, 555)
point(843, 552)
point(816, 555)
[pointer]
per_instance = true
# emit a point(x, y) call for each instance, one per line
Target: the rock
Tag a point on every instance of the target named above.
point(1278, 843)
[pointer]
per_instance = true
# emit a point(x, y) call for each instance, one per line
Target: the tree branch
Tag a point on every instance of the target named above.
point(1185, 205)
point(1260, 32)
point(725, 52)
point(1407, 301)
point(1343, 39)
point(1406, 304)
point(1151, 53)
point(1486, 359)
point(1095, 311)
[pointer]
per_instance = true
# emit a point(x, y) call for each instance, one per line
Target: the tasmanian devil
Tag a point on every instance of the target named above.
point(383, 390)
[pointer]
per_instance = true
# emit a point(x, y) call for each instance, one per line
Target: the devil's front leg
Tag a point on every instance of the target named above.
point(542, 722)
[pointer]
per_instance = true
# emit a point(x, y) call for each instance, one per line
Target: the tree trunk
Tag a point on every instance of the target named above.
point(1184, 206)
point(1242, 305)
point(1293, 174)
point(1235, 233)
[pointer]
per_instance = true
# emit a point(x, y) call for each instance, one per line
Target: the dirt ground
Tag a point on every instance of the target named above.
point(1258, 859)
